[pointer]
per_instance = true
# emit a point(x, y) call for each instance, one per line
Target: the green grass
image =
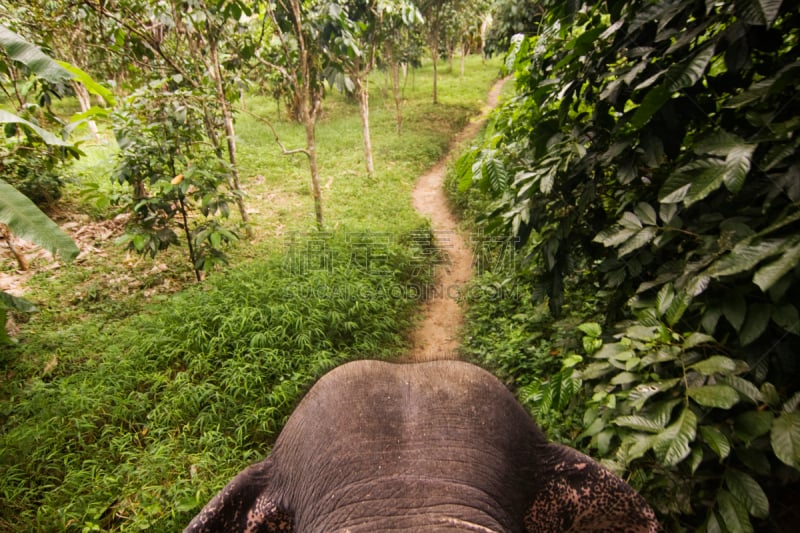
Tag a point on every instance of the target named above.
point(134, 395)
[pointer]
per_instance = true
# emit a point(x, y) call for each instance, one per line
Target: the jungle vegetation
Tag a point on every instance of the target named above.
point(643, 180)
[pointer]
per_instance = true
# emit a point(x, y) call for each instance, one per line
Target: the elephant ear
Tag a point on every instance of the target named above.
point(244, 504)
point(582, 495)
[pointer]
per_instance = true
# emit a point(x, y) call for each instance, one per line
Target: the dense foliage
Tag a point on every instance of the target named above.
point(173, 173)
point(194, 389)
point(648, 169)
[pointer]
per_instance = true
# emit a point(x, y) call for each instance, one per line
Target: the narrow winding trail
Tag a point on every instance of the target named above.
point(436, 337)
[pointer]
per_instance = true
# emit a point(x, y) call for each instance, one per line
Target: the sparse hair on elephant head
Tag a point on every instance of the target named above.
point(434, 446)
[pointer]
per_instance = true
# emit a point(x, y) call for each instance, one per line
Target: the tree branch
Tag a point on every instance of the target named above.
point(275, 135)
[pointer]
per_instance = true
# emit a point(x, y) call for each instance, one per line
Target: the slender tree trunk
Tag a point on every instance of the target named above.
point(188, 233)
point(394, 67)
point(6, 234)
point(435, 56)
point(85, 101)
point(464, 51)
point(311, 149)
point(362, 93)
point(230, 133)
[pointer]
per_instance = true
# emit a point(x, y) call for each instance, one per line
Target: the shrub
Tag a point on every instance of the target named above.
point(647, 166)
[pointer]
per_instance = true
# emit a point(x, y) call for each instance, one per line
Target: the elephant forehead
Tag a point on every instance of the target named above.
point(379, 392)
point(370, 407)
point(413, 434)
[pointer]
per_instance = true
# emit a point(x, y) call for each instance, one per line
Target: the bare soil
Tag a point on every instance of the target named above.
point(437, 335)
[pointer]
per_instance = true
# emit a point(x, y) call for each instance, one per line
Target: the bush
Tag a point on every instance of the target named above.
point(647, 167)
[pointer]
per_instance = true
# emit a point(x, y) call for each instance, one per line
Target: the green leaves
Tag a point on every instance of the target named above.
point(718, 364)
point(673, 445)
point(761, 12)
point(747, 490)
point(635, 230)
point(727, 162)
point(716, 440)
point(721, 396)
point(680, 209)
point(785, 438)
point(676, 78)
point(28, 222)
point(47, 137)
point(91, 85)
point(32, 57)
point(180, 185)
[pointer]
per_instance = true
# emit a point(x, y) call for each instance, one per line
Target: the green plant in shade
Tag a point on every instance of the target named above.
point(649, 163)
point(178, 185)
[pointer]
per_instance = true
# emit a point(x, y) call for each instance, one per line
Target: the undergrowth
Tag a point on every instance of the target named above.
point(192, 390)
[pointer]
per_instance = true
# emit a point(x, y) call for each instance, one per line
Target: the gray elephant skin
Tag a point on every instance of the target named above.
point(438, 446)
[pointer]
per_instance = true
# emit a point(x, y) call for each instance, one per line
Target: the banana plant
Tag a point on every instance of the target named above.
point(21, 216)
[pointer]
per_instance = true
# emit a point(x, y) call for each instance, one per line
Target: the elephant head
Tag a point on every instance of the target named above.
point(432, 446)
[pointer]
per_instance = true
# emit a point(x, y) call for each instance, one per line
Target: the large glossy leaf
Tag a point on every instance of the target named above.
point(747, 491)
point(716, 364)
point(733, 513)
point(721, 396)
point(758, 316)
point(653, 421)
point(9, 301)
point(641, 238)
point(43, 134)
point(785, 438)
point(91, 85)
point(678, 77)
point(737, 166)
point(30, 55)
point(753, 424)
point(745, 388)
point(745, 256)
point(762, 12)
point(652, 102)
point(716, 440)
point(696, 180)
point(28, 222)
point(771, 273)
point(640, 394)
point(674, 444)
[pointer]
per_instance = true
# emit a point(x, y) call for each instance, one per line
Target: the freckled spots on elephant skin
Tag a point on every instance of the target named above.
point(266, 516)
point(584, 496)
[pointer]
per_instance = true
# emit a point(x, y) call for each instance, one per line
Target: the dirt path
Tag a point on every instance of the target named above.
point(436, 337)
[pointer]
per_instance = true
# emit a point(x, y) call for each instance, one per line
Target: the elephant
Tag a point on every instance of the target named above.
point(436, 446)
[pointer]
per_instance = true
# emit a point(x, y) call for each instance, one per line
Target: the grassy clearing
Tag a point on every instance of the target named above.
point(131, 399)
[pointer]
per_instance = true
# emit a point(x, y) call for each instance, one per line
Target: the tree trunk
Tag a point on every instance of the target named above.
point(311, 149)
point(22, 261)
point(435, 77)
point(85, 101)
point(434, 44)
point(230, 134)
point(362, 93)
point(394, 67)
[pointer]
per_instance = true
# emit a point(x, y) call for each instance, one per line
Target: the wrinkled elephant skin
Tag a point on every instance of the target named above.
point(432, 446)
